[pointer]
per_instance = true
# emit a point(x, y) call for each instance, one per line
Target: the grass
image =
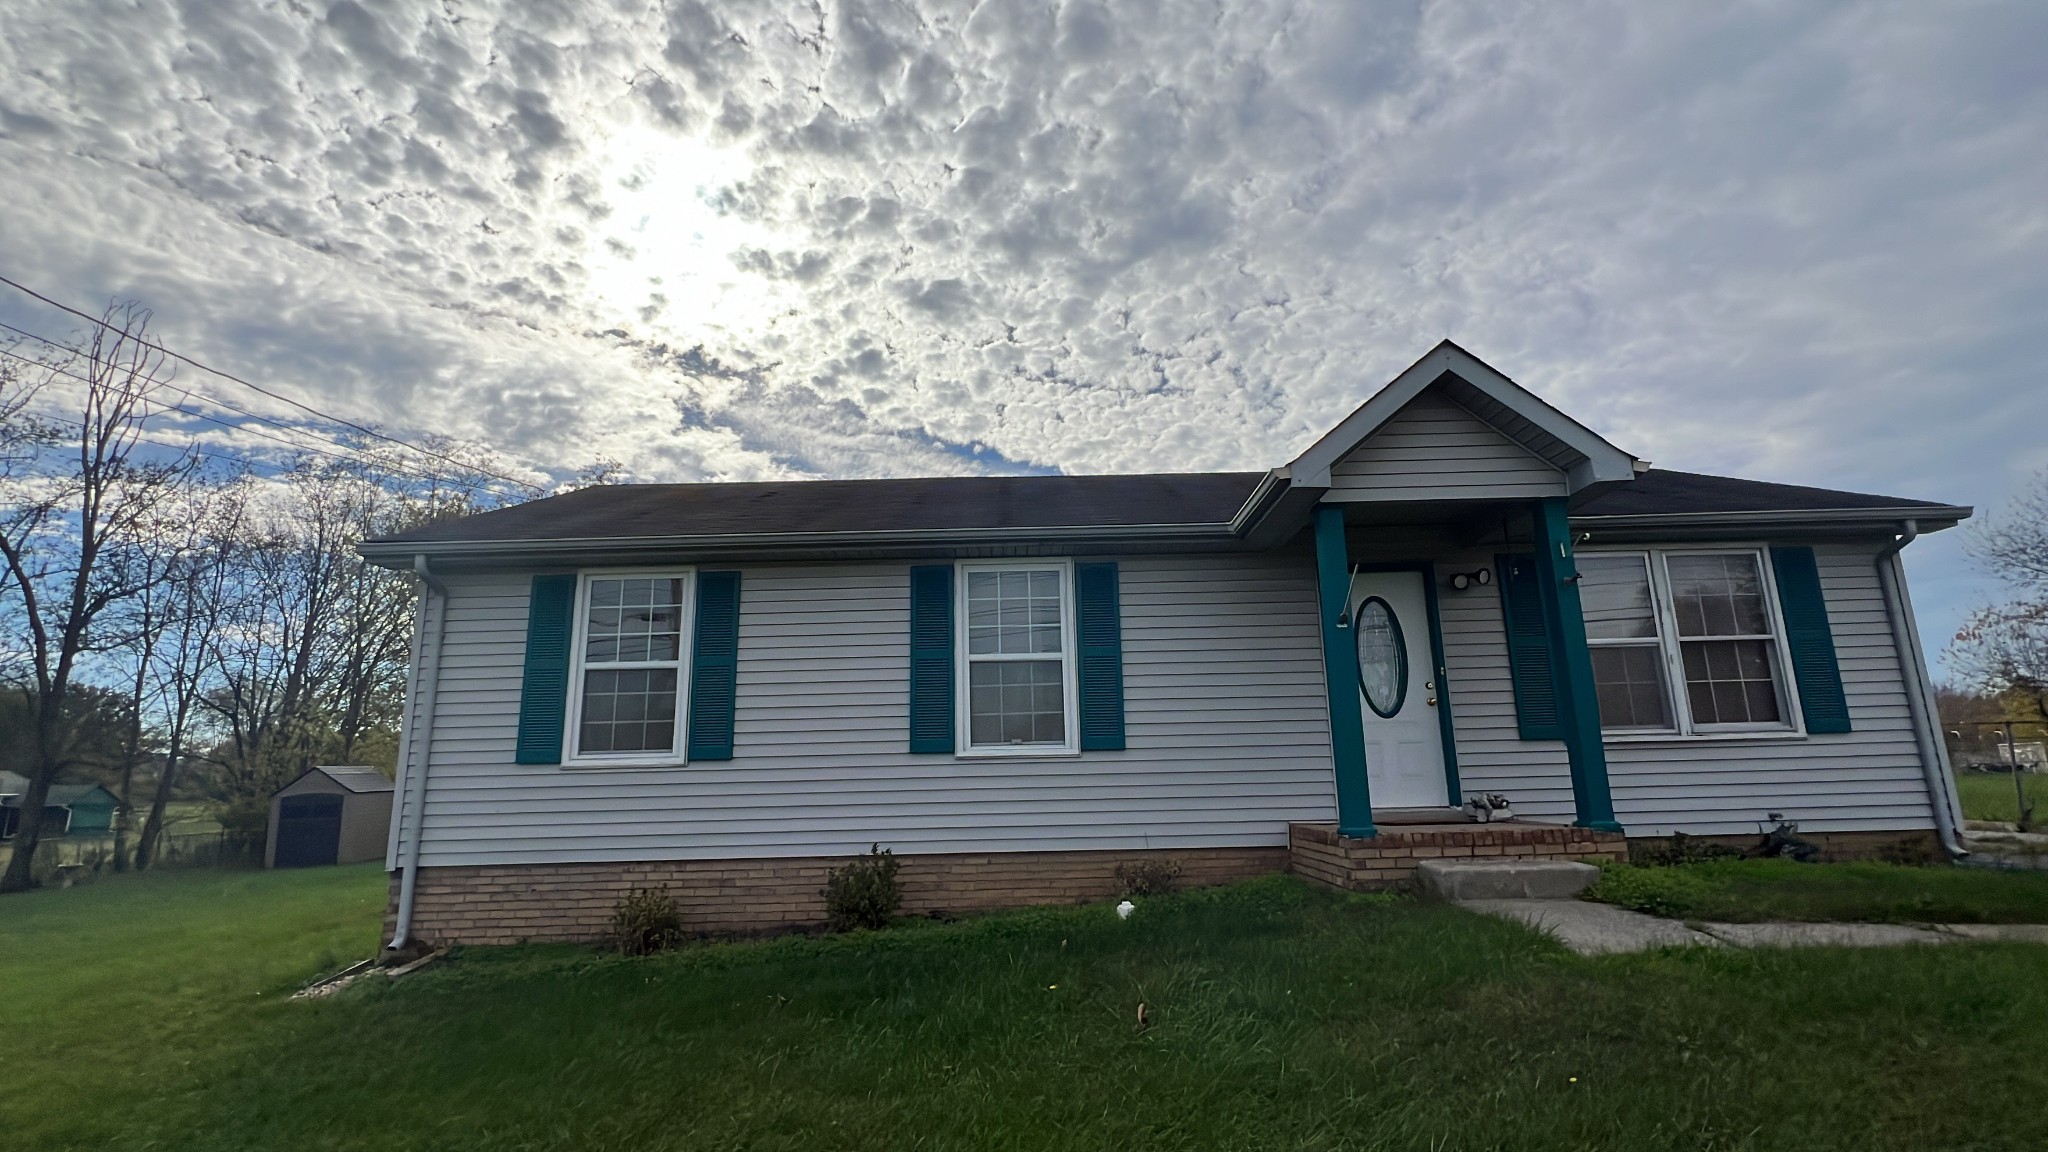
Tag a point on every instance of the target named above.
point(1754, 890)
point(111, 993)
point(1989, 795)
point(1282, 1017)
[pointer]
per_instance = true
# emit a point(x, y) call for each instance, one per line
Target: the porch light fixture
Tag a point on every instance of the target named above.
point(1463, 580)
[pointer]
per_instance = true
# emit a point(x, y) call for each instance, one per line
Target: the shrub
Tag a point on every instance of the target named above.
point(1150, 877)
point(645, 921)
point(1679, 849)
point(864, 894)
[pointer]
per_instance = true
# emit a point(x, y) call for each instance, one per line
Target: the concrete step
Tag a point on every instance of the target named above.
point(1504, 879)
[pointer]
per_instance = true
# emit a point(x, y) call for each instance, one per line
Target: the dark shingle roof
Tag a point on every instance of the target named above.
point(815, 517)
point(812, 506)
point(64, 795)
point(357, 777)
point(1661, 492)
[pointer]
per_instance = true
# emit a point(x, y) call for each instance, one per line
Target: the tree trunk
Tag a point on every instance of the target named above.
point(20, 874)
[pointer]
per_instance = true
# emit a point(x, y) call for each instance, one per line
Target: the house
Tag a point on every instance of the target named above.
point(1017, 683)
point(329, 814)
point(68, 809)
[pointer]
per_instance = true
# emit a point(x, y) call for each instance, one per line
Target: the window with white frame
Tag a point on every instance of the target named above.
point(1016, 658)
point(1702, 621)
point(627, 681)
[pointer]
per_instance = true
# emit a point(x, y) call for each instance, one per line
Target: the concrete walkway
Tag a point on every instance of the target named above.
point(1592, 929)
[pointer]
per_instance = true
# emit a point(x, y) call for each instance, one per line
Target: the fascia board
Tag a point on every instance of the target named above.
point(1603, 460)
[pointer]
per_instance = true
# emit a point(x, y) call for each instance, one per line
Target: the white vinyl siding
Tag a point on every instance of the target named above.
point(1864, 780)
point(1434, 449)
point(1226, 723)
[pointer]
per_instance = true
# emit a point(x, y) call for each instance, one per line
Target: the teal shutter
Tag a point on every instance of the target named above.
point(1812, 642)
point(1100, 628)
point(714, 666)
point(1529, 664)
point(544, 695)
point(931, 658)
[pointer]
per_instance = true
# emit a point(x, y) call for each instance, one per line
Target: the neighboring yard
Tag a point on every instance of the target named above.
point(1989, 795)
point(1282, 1017)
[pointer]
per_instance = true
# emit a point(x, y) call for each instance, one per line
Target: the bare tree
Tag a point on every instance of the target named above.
point(70, 529)
point(202, 592)
point(2003, 648)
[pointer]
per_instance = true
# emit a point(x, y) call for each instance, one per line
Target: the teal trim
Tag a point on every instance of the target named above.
point(931, 658)
point(1557, 582)
point(714, 666)
point(544, 691)
point(1811, 641)
point(1099, 634)
point(1453, 790)
point(1340, 676)
point(1531, 668)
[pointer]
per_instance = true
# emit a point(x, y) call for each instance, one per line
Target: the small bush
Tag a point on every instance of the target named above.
point(645, 922)
point(864, 894)
point(1150, 877)
point(1665, 890)
point(1679, 849)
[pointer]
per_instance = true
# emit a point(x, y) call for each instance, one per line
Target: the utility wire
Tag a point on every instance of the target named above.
point(332, 450)
point(367, 431)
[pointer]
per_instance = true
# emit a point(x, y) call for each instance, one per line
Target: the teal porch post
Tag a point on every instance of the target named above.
point(1340, 673)
point(1558, 582)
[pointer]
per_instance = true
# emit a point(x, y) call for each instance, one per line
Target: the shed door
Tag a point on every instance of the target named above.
point(308, 830)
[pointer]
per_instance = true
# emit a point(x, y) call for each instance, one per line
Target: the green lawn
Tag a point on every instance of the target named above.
point(1989, 796)
point(1282, 1017)
point(1752, 890)
point(120, 990)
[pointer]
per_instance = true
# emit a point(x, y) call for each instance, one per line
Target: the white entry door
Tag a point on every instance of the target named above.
point(1398, 691)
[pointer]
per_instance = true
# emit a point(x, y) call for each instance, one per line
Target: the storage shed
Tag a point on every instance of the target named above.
point(68, 810)
point(331, 814)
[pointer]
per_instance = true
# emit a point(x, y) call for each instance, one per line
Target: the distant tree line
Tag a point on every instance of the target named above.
point(174, 622)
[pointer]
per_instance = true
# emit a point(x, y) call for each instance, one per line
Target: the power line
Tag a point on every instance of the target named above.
point(367, 431)
point(326, 447)
point(245, 461)
point(331, 450)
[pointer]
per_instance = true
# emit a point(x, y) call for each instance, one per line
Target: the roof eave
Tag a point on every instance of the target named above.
point(1859, 520)
point(793, 545)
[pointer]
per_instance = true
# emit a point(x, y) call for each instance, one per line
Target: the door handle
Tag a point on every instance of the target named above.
point(1431, 701)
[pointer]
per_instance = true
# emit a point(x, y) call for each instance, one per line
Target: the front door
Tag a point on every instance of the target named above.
point(1398, 691)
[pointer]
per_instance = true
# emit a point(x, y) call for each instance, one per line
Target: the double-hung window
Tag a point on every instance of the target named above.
point(627, 687)
point(1685, 642)
point(1016, 658)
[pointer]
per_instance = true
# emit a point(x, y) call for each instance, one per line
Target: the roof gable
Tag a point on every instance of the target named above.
point(1517, 413)
point(1436, 449)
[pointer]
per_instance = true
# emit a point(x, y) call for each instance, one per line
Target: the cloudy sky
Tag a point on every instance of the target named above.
point(1802, 242)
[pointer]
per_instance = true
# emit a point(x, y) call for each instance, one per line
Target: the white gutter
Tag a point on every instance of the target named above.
point(1934, 763)
point(1766, 518)
point(737, 541)
point(423, 741)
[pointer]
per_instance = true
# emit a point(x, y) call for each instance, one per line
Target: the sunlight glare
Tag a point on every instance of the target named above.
point(662, 261)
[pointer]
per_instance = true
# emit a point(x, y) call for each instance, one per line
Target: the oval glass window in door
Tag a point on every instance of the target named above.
point(1382, 657)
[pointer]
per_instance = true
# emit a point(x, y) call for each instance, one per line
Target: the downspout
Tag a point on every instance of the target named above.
point(423, 741)
point(1934, 765)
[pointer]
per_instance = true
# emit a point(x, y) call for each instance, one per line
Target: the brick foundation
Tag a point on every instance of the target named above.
point(1388, 860)
point(1903, 846)
point(512, 903)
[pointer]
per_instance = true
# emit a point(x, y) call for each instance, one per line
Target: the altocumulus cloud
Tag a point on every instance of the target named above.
point(742, 240)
